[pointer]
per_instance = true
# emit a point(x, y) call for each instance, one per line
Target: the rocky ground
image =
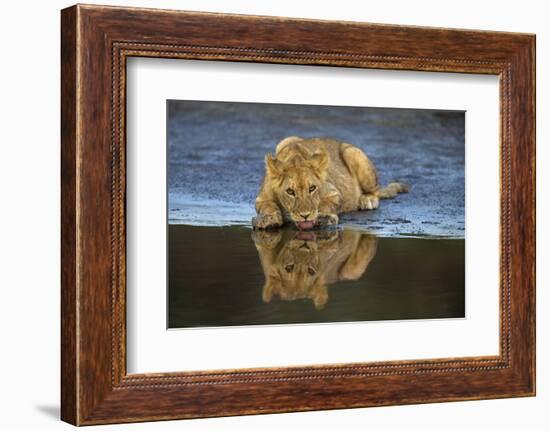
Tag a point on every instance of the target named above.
point(216, 151)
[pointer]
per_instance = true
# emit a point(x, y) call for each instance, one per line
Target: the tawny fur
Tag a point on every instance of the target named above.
point(297, 267)
point(310, 181)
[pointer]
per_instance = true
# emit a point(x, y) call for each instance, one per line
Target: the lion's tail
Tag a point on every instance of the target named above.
point(392, 189)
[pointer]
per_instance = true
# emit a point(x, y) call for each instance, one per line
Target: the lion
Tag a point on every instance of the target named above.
point(309, 182)
point(301, 264)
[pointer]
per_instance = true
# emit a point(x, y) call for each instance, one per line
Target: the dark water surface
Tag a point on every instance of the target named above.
point(227, 276)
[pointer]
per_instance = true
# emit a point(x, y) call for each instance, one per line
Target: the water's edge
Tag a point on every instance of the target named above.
point(206, 212)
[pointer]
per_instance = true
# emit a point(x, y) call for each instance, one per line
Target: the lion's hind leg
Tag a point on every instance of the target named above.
point(365, 173)
point(357, 263)
point(368, 201)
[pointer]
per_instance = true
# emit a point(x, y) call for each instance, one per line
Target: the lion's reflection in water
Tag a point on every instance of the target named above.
point(302, 264)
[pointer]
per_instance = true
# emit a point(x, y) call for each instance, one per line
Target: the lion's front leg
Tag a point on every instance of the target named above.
point(268, 216)
point(328, 210)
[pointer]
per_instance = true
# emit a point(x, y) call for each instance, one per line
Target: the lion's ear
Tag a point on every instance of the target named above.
point(273, 166)
point(320, 162)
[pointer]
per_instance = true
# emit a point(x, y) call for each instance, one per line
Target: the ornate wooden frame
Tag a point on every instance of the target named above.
point(95, 43)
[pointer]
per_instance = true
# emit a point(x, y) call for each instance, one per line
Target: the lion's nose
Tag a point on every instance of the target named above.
point(305, 216)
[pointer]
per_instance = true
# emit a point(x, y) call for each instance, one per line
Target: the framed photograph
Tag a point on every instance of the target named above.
point(264, 214)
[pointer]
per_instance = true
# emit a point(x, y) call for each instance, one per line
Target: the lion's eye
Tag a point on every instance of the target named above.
point(289, 267)
point(312, 188)
point(290, 192)
point(311, 271)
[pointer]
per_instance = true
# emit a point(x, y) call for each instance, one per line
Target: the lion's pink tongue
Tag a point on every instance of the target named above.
point(306, 236)
point(303, 225)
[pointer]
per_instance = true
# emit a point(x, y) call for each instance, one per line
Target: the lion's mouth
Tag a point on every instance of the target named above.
point(305, 225)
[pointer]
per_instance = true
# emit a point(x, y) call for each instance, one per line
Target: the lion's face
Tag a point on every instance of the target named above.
point(303, 264)
point(297, 273)
point(298, 193)
point(297, 184)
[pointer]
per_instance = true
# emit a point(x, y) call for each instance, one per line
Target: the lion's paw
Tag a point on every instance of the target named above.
point(368, 202)
point(267, 221)
point(267, 239)
point(327, 219)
